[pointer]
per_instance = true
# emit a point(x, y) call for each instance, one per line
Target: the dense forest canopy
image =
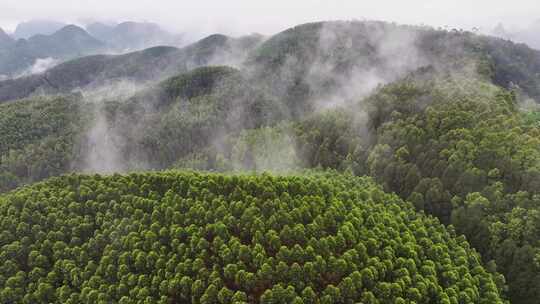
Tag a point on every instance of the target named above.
point(198, 238)
point(446, 120)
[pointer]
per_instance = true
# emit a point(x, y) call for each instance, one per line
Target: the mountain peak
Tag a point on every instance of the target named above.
point(71, 30)
point(138, 25)
point(31, 28)
point(5, 39)
point(130, 35)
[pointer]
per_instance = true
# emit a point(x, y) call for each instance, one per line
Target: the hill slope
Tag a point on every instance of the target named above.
point(468, 154)
point(25, 30)
point(447, 134)
point(336, 60)
point(149, 65)
point(132, 35)
point(348, 59)
point(66, 43)
point(153, 129)
point(5, 40)
point(202, 238)
point(39, 138)
point(459, 149)
point(41, 39)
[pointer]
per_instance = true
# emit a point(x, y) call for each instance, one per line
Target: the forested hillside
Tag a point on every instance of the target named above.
point(311, 61)
point(472, 160)
point(37, 40)
point(66, 43)
point(198, 238)
point(446, 120)
point(459, 149)
point(146, 66)
point(38, 138)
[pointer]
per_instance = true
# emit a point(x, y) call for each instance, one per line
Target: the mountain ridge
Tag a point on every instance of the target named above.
point(70, 41)
point(145, 65)
point(443, 119)
point(25, 30)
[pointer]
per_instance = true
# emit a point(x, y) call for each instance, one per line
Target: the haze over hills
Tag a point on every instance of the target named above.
point(25, 30)
point(447, 121)
point(149, 65)
point(5, 39)
point(298, 60)
point(529, 35)
point(133, 35)
point(68, 42)
point(39, 41)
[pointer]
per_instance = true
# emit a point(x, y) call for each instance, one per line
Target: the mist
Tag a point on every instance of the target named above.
point(243, 17)
point(378, 53)
point(381, 53)
point(439, 117)
point(40, 65)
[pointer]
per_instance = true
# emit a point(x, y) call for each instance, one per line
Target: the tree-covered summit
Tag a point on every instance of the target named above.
point(176, 237)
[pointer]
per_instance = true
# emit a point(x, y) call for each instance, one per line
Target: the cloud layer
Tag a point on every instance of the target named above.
point(244, 16)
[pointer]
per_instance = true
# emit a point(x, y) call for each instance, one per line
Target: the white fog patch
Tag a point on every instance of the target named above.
point(114, 90)
point(103, 153)
point(391, 52)
point(40, 65)
point(346, 64)
point(265, 150)
point(234, 54)
point(43, 64)
point(103, 143)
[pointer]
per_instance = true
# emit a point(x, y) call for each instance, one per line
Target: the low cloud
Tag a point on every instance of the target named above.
point(39, 66)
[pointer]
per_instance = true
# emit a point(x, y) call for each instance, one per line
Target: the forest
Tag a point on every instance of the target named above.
point(319, 170)
point(210, 238)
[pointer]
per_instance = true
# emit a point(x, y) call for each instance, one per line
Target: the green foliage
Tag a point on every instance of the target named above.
point(331, 139)
point(263, 149)
point(199, 82)
point(38, 138)
point(202, 238)
point(445, 138)
point(461, 150)
point(190, 113)
point(67, 43)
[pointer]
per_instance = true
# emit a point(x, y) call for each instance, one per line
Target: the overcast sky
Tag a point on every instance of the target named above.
point(269, 16)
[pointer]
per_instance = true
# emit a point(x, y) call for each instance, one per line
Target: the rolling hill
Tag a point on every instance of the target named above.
point(68, 42)
point(132, 35)
point(38, 40)
point(436, 117)
point(205, 238)
point(148, 65)
point(326, 59)
point(25, 30)
point(5, 40)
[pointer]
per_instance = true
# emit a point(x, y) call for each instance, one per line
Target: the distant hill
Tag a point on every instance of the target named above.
point(25, 30)
point(47, 39)
point(132, 35)
point(174, 118)
point(320, 60)
point(434, 116)
point(151, 64)
point(529, 35)
point(5, 40)
point(316, 60)
point(68, 42)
